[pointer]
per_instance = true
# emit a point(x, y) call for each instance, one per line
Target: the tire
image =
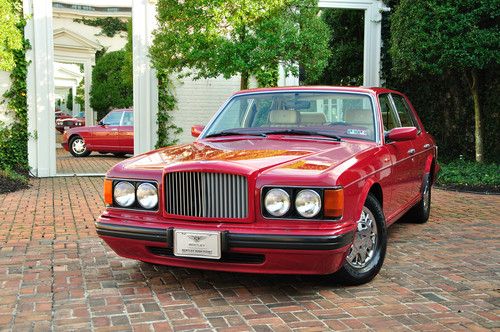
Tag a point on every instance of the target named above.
point(77, 147)
point(361, 266)
point(420, 213)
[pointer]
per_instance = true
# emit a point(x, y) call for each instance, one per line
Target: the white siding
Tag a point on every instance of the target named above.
point(198, 100)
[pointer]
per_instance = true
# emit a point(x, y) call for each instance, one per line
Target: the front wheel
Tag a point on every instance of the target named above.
point(366, 255)
point(77, 147)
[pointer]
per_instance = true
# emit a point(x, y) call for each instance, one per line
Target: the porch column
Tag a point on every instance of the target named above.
point(40, 87)
point(73, 93)
point(89, 113)
point(373, 43)
point(145, 81)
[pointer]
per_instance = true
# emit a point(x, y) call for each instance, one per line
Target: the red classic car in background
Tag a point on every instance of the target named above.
point(58, 114)
point(71, 122)
point(113, 134)
point(286, 180)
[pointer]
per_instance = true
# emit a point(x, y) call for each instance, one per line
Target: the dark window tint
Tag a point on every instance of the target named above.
point(388, 117)
point(404, 112)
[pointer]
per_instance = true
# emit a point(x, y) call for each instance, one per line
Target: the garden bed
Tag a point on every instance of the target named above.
point(10, 182)
point(464, 175)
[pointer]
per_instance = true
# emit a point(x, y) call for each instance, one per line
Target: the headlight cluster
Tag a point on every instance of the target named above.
point(135, 194)
point(300, 203)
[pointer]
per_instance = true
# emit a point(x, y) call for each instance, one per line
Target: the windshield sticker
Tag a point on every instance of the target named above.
point(359, 132)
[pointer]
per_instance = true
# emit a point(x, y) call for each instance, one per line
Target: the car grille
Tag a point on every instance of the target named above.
point(206, 195)
point(67, 123)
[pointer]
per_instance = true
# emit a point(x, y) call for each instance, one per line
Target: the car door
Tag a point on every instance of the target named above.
point(126, 132)
point(105, 134)
point(401, 184)
point(421, 144)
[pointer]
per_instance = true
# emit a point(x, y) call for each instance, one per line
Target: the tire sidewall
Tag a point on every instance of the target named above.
point(74, 153)
point(354, 276)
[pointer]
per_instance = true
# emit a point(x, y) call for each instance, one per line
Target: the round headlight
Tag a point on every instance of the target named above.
point(277, 202)
point(308, 203)
point(124, 194)
point(147, 195)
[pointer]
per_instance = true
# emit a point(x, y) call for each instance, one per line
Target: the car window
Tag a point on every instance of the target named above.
point(388, 116)
point(342, 114)
point(113, 118)
point(128, 119)
point(404, 112)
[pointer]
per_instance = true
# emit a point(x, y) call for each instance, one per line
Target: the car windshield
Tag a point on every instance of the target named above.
point(349, 115)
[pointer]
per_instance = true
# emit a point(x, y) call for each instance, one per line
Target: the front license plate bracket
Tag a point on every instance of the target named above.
point(197, 244)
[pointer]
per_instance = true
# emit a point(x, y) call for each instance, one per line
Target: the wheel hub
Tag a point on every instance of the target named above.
point(365, 241)
point(79, 146)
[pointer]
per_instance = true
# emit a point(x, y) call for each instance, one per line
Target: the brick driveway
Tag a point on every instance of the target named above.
point(56, 274)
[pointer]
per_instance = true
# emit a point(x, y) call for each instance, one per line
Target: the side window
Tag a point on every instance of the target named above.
point(128, 119)
point(388, 116)
point(113, 118)
point(404, 112)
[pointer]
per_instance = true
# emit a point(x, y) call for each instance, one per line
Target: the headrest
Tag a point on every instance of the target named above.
point(359, 116)
point(312, 118)
point(284, 117)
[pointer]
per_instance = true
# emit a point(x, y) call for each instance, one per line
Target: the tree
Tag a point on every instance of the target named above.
point(69, 100)
point(109, 89)
point(11, 37)
point(345, 66)
point(448, 36)
point(208, 38)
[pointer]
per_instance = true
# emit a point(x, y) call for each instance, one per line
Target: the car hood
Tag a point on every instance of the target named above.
point(246, 156)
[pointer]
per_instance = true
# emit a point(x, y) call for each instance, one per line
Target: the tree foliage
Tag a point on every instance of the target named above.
point(208, 38)
point(345, 66)
point(11, 37)
point(110, 26)
point(452, 38)
point(109, 88)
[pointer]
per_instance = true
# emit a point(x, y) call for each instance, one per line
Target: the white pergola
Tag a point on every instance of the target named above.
point(41, 147)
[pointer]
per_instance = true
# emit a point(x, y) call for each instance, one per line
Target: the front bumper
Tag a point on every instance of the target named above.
point(241, 252)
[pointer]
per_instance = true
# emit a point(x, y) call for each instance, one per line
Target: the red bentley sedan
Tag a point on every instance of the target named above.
point(299, 180)
point(67, 123)
point(113, 134)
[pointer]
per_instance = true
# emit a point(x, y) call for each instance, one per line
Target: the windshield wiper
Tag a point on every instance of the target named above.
point(302, 132)
point(234, 133)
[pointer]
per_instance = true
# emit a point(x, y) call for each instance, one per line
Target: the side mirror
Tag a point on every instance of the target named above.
point(196, 130)
point(401, 134)
point(100, 123)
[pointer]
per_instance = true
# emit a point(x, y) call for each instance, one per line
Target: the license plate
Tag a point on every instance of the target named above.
point(198, 244)
point(66, 127)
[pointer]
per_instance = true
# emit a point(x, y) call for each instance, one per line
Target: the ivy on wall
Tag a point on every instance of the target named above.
point(14, 138)
point(167, 130)
point(110, 26)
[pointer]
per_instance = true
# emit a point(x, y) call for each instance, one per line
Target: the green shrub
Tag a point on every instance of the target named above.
point(109, 88)
point(468, 174)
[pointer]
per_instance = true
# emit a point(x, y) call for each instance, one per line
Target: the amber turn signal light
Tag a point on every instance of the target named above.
point(334, 203)
point(108, 191)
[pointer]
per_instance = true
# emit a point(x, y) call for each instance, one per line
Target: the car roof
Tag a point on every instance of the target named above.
point(360, 89)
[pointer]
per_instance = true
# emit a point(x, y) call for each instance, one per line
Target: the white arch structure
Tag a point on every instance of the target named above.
point(41, 145)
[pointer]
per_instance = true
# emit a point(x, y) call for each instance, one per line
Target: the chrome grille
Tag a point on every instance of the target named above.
point(206, 195)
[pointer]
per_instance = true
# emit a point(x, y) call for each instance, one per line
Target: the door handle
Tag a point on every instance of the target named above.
point(426, 146)
point(411, 152)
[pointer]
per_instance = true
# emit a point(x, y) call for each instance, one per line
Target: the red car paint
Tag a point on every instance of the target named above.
point(116, 138)
point(275, 160)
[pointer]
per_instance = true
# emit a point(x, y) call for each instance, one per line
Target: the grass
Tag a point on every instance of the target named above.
point(469, 175)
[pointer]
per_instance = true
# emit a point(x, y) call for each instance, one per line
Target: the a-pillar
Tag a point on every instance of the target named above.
point(89, 113)
point(40, 88)
point(145, 81)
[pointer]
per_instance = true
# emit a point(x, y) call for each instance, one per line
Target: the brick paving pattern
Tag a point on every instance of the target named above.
point(55, 274)
point(95, 163)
